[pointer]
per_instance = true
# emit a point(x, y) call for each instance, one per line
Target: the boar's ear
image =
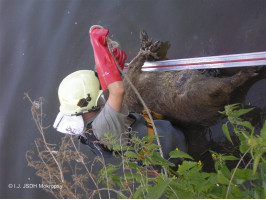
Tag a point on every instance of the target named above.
point(163, 49)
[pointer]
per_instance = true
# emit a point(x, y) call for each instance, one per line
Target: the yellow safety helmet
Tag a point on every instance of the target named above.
point(79, 93)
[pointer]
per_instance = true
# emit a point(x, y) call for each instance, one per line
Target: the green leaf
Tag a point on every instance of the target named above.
point(116, 179)
point(257, 158)
point(262, 166)
point(148, 138)
point(116, 147)
point(216, 191)
point(245, 174)
point(206, 185)
point(156, 157)
point(207, 174)
point(111, 168)
point(229, 108)
point(226, 132)
point(263, 131)
point(222, 179)
point(240, 112)
point(242, 138)
point(152, 146)
point(186, 165)
point(179, 154)
point(225, 171)
point(132, 164)
point(181, 190)
point(157, 191)
point(247, 124)
point(120, 195)
point(230, 158)
point(194, 172)
point(131, 154)
point(243, 148)
point(139, 192)
point(129, 175)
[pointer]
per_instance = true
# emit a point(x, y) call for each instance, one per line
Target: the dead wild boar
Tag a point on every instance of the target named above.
point(185, 97)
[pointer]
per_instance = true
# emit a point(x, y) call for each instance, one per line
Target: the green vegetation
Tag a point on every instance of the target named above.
point(72, 169)
point(189, 181)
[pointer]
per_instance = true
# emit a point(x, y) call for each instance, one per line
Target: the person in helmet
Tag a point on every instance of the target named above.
point(83, 110)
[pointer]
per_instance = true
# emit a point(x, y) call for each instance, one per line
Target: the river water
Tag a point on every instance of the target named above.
point(44, 40)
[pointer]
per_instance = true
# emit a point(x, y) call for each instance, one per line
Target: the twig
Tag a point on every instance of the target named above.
point(104, 165)
point(82, 161)
point(123, 165)
point(43, 160)
point(37, 122)
point(249, 162)
point(241, 159)
point(118, 192)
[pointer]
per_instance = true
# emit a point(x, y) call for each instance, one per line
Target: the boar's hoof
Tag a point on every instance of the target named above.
point(147, 44)
point(148, 55)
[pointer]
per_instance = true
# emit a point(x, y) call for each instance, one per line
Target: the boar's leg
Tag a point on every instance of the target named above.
point(148, 51)
point(231, 83)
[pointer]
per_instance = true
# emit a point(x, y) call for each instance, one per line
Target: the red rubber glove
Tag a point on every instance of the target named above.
point(120, 56)
point(105, 64)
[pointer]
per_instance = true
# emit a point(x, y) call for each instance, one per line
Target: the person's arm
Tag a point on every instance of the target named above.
point(108, 73)
point(116, 95)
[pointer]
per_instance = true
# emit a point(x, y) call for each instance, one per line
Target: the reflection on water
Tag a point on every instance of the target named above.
point(43, 41)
